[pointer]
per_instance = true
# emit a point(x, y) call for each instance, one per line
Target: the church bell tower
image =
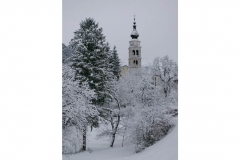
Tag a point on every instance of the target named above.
point(134, 60)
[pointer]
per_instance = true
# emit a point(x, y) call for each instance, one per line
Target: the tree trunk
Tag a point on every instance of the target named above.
point(122, 140)
point(112, 124)
point(115, 131)
point(84, 139)
point(113, 139)
point(91, 128)
point(165, 91)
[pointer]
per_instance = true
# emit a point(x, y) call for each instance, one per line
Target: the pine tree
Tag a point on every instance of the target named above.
point(90, 60)
point(115, 62)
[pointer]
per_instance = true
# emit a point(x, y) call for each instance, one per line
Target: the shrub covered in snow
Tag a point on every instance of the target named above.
point(147, 127)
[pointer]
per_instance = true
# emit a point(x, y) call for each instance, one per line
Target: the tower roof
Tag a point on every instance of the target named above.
point(134, 33)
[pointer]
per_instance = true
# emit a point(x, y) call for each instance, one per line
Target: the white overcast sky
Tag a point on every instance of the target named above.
point(157, 24)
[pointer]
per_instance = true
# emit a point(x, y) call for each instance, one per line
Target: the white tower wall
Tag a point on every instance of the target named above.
point(134, 49)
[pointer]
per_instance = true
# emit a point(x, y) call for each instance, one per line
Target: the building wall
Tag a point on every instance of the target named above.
point(124, 70)
point(134, 53)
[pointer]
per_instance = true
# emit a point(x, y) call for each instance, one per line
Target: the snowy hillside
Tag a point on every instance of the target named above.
point(165, 149)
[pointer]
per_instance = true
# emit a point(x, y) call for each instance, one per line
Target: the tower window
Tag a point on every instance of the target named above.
point(137, 52)
point(136, 62)
point(133, 52)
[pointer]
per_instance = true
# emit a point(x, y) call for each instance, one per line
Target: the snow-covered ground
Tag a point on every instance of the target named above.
point(166, 149)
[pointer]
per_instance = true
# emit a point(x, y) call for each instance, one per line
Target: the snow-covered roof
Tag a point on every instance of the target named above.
point(124, 66)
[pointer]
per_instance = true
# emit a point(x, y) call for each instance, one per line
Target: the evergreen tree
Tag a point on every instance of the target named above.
point(115, 62)
point(90, 60)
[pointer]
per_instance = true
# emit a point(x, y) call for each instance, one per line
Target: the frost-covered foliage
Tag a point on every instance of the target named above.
point(147, 126)
point(167, 70)
point(145, 116)
point(121, 96)
point(145, 122)
point(71, 140)
point(111, 113)
point(66, 53)
point(76, 109)
point(138, 111)
point(76, 104)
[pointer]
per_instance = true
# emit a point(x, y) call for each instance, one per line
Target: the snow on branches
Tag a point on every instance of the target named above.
point(76, 108)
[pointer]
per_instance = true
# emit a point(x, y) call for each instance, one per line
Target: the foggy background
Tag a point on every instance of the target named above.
point(156, 20)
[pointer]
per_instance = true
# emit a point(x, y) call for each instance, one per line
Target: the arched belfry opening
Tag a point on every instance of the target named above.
point(135, 62)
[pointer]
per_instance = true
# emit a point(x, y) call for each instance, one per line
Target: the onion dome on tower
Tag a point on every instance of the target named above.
point(134, 33)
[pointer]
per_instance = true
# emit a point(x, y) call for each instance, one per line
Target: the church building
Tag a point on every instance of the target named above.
point(134, 50)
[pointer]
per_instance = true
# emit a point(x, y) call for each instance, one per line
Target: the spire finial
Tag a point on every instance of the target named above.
point(134, 21)
point(134, 34)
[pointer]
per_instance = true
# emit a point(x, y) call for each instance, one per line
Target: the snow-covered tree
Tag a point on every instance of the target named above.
point(90, 58)
point(148, 121)
point(147, 126)
point(167, 70)
point(115, 63)
point(111, 113)
point(136, 90)
point(76, 102)
point(90, 61)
